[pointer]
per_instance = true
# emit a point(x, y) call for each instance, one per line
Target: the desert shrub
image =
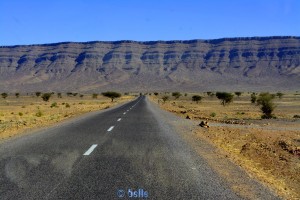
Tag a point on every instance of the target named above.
point(69, 94)
point(94, 96)
point(296, 116)
point(38, 94)
point(279, 95)
point(126, 93)
point(253, 98)
point(196, 98)
point(20, 114)
point(266, 105)
point(155, 93)
point(59, 95)
point(225, 97)
point(46, 96)
point(68, 105)
point(39, 113)
point(213, 114)
point(17, 94)
point(81, 96)
point(54, 105)
point(111, 94)
point(165, 98)
point(176, 95)
point(211, 94)
point(185, 94)
point(238, 94)
point(4, 95)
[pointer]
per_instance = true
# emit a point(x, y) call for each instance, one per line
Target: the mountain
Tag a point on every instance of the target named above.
point(255, 63)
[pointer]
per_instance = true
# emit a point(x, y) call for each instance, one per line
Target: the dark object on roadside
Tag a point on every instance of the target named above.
point(188, 117)
point(204, 124)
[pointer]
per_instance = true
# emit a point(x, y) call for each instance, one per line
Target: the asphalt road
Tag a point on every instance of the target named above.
point(120, 153)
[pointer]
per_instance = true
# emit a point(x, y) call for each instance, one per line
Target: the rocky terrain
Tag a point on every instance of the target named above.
point(257, 63)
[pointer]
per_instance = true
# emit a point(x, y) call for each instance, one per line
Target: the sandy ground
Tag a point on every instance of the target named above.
point(267, 149)
point(21, 115)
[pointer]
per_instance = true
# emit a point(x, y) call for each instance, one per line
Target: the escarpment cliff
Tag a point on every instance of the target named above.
point(257, 63)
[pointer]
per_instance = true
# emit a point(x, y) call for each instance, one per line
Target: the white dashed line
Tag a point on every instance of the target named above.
point(90, 150)
point(124, 113)
point(119, 119)
point(111, 128)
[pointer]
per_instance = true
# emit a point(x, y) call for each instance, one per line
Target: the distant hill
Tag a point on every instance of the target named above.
point(256, 63)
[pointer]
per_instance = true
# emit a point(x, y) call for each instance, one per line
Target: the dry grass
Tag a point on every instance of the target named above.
point(267, 149)
point(18, 115)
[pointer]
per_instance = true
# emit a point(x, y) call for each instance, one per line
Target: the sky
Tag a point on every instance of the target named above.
point(51, 21)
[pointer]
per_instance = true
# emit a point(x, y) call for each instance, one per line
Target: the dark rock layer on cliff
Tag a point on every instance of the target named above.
point(257, 63)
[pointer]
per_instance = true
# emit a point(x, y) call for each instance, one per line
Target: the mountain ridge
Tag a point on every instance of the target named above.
point(249, 63)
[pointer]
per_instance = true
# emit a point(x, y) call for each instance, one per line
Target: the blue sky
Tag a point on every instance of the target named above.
point(41, 21)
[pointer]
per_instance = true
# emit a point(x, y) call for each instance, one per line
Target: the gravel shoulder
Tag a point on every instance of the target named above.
point(233, 175)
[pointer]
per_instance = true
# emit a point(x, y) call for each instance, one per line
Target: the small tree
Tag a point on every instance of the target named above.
point(266, 105)
point(279, 94)
point(81, 96)
point(17, 95)
point(176, 95)
point(155, 93)
point(165, 98)
point(94, 96)
point(225, 97)
point(253, 98)
point(196, 98)
point(4, 95)
point(37, 94)
point(59, 95)
point(111, 95)
point(238, 94)
point(46, 96)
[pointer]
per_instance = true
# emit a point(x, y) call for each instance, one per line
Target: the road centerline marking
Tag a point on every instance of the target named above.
point(90, 150)
point(124, 113)
point(119, 119)
point(111, 128)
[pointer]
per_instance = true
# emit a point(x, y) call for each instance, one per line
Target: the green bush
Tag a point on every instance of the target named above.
point(266, 105)
point(225, 97)
point(39, 113)
point(253, 98)
point(37, 94)
point(213, 114)
point(196, 98)
point(165, 98)
point(4, 95)
point(279, 94)
point(111, 94)
point(238, 94)
point(54, 105)
point(176, 95)
point(94, 96)
point(46, 96)
point(20, 114)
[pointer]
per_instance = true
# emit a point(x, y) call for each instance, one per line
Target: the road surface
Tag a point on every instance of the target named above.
point(122, 153)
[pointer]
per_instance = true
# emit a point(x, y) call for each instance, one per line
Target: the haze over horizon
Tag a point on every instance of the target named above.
point(34, 22)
